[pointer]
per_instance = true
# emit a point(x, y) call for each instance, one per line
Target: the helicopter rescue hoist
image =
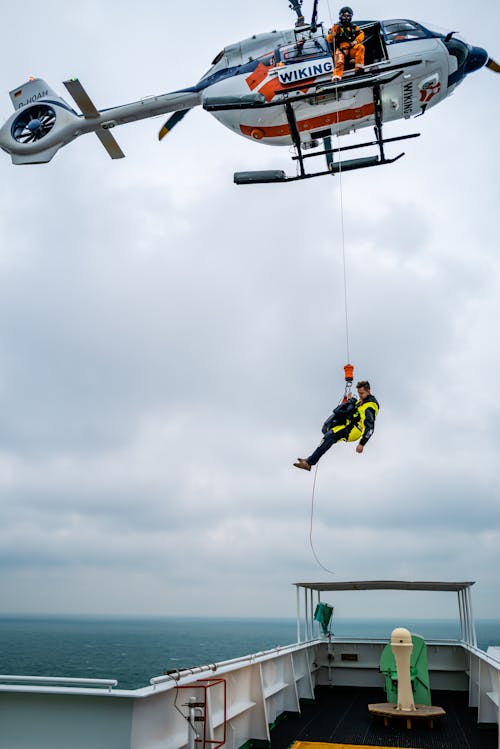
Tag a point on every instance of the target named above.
point(274, 88)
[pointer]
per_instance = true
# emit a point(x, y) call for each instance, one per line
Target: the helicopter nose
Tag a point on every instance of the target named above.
point(476, 59)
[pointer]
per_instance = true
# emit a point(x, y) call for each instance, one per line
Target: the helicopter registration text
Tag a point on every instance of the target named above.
point(31, 99)
point(305, 72)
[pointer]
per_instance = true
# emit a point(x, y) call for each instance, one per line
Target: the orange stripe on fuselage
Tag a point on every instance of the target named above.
point(272, 86)
point(278, 131)
point(257, 76)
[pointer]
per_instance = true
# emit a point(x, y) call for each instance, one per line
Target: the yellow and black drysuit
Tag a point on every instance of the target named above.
point(350, 422)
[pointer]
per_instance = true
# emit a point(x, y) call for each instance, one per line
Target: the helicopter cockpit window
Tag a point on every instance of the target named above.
point(404, 31)
point(218, 58)
point(219, 63)
point(458, 49)
point(303, 50)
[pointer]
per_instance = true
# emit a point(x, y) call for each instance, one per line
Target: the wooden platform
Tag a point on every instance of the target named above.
point(390, 711)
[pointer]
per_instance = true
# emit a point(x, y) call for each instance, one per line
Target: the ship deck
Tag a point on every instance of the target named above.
point(340, 715)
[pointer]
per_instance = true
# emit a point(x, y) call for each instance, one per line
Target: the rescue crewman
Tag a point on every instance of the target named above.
point(346, 40)
point(350, 422)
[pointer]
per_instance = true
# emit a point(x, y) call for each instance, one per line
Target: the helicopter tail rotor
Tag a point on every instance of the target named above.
point(492, 65)
point(172, 122)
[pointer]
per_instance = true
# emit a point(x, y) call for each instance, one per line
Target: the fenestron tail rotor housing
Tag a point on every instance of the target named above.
point(33, 123)
point(41, 123)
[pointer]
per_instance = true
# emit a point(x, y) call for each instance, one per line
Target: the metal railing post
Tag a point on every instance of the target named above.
point(461, 614)
point(305, 614)
point(472, 621)
point(467, 619)
point(298, 613)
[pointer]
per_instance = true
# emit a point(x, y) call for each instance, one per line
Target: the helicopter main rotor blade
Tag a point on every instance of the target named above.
point(172, 122)
point(492, 65)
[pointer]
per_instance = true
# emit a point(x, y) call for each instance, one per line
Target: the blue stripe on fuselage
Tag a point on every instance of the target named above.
point(221, 75)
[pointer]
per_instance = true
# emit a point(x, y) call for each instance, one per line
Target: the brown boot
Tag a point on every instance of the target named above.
point(302, 463)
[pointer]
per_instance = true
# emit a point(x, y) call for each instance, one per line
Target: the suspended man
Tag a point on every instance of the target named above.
point(353, 420)
point(346, 40)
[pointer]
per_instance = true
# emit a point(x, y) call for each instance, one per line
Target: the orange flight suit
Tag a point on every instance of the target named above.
point(347, 45)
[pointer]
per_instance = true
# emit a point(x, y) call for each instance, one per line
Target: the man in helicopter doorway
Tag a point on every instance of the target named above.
point(351, 421)
point(346, 40)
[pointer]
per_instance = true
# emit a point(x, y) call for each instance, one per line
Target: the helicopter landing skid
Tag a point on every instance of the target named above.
point(334, 167)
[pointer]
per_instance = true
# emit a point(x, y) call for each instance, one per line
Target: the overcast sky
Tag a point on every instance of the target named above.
point(169, 343)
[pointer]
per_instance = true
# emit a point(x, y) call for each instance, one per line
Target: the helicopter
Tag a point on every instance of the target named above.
point(274, 88)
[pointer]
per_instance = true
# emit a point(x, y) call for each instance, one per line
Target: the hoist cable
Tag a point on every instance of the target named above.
point(342, 224)
point(331, 572)
point(341, 199)
point(346, 297)
point(344, 265)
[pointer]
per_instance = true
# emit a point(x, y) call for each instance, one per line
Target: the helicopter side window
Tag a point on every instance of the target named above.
point(404, 31)
point(302, 50)
point(268, 60)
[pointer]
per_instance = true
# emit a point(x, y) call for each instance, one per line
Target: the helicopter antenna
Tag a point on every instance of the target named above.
point(314, 19)
point(296, 5)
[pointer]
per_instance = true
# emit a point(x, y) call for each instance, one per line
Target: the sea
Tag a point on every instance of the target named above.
point(133, 650)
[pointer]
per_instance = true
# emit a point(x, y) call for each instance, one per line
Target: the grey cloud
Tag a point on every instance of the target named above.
point(169, 344)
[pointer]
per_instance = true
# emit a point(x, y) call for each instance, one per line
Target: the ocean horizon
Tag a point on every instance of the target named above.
point(134, 649)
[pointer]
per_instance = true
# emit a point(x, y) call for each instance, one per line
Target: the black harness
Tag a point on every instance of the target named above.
point(347, 34)
point(346, 413)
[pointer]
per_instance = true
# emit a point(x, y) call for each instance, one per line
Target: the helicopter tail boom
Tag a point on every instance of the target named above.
point(43, 122)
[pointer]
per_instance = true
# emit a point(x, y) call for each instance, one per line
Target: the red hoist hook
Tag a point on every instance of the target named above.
point(349, 377)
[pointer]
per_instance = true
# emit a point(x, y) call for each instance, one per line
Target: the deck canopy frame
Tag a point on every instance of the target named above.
point(462, 589)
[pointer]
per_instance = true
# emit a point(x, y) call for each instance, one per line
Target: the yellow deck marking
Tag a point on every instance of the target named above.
point(325, 745)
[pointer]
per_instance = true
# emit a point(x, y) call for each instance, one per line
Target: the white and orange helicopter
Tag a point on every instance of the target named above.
point(274, 88)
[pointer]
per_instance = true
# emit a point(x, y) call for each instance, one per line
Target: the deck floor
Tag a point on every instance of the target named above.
point(340, 715)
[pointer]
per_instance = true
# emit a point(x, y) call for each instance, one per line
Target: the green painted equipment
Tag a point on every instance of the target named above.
point(323, 614)
point(419, 673)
